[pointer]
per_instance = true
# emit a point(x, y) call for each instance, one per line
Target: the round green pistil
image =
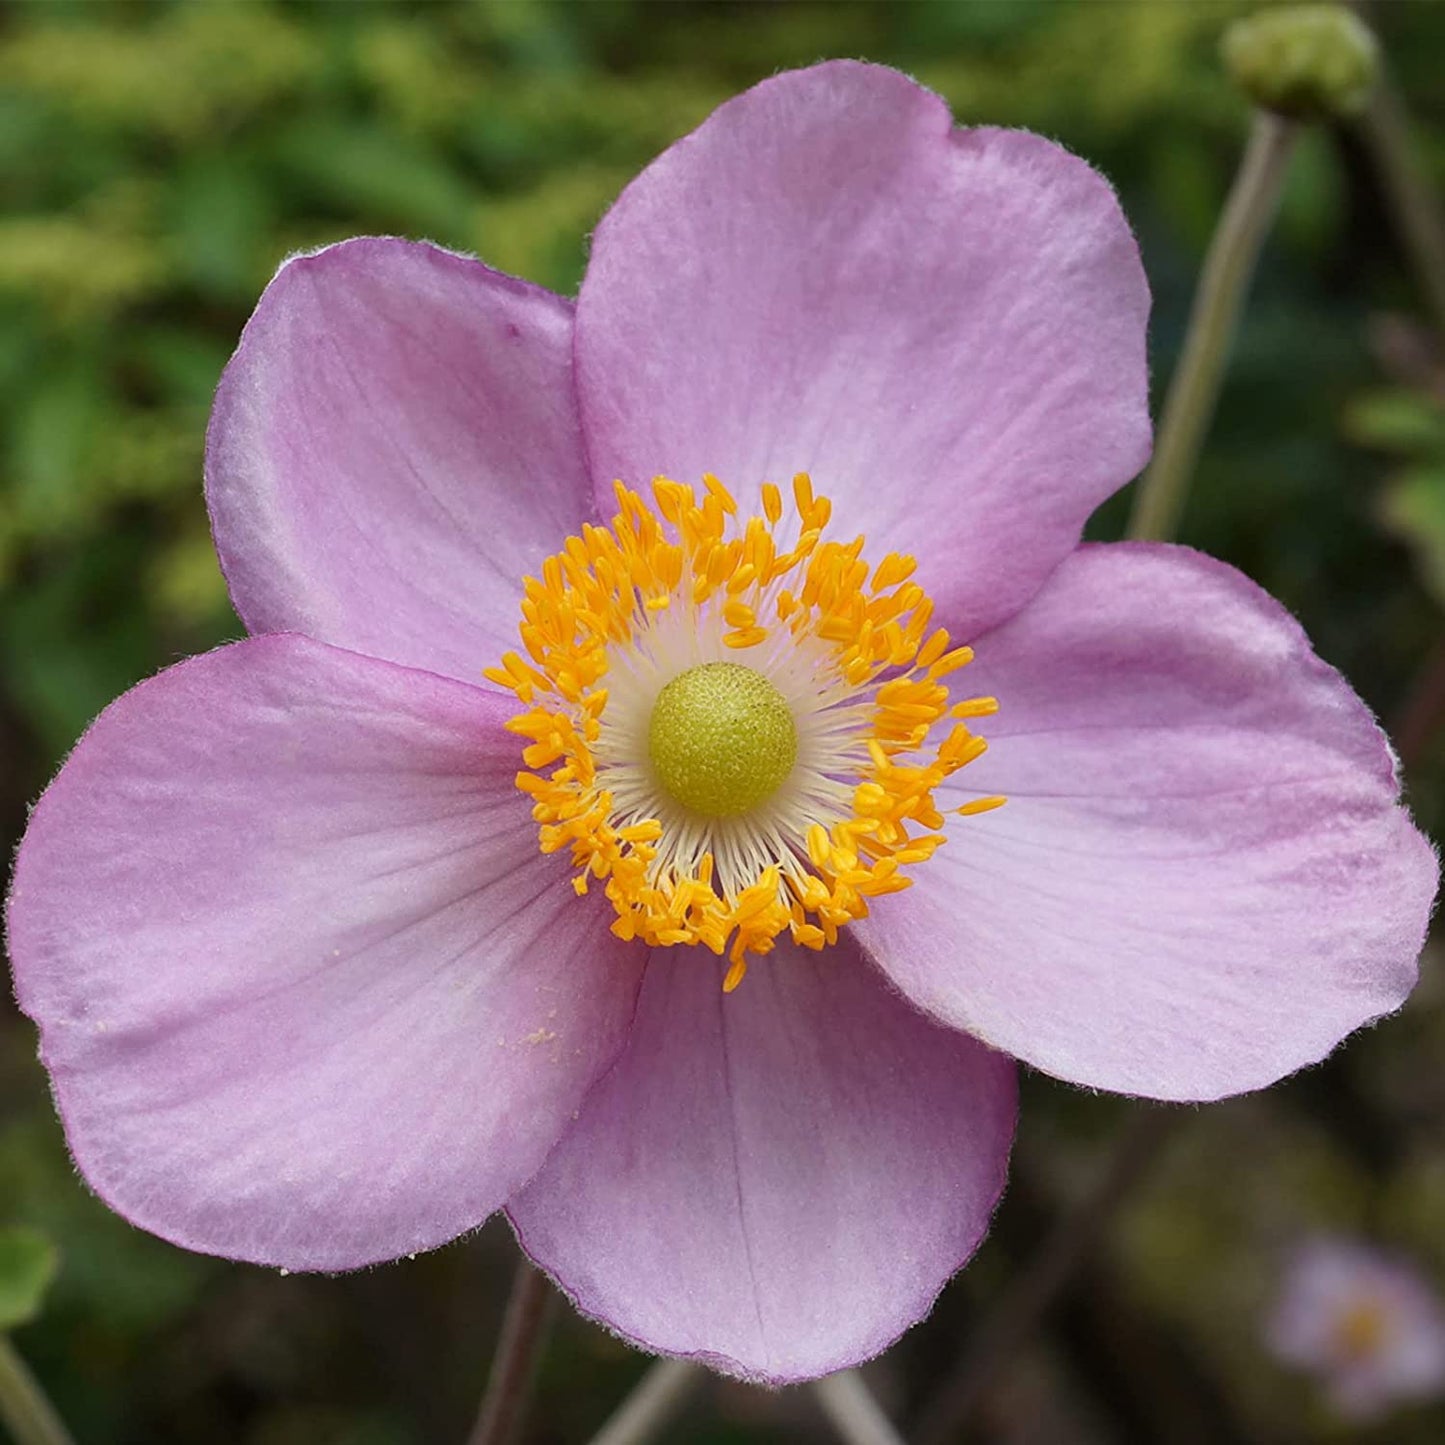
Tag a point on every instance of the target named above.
point(722, 739)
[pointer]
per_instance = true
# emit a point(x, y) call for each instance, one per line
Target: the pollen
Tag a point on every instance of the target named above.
point(733, 727)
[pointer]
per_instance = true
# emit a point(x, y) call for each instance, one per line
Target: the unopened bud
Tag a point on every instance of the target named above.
point(1309, 62)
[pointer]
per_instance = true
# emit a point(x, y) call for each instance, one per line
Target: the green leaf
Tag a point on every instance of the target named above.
point(1415, 511)
point(1396, 421)
point(371, 172)
point(222, 220)
point(28, 1261)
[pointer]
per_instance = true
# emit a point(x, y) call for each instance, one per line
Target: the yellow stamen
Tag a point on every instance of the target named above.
point(974, 707)
point(981, 805)
point(843, 673)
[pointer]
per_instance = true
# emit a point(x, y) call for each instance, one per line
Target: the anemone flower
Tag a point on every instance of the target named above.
point(1365, 1323)
point(596, 827)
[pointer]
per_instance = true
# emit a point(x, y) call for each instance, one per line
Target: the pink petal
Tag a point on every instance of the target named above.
point(394, 445)
point(1201, 880)
point(945, 328)
point(777, 1181)
point(307, 991)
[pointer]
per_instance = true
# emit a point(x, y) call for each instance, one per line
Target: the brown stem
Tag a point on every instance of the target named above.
point(1014, 1318)
point(1414, 208)
point(1422, 714)
point(509, 1386)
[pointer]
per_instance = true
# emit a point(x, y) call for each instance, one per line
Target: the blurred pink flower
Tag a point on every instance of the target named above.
point(308, 990)
point(1368, 1325)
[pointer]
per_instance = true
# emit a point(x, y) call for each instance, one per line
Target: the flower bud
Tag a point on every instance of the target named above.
point(1309, 62)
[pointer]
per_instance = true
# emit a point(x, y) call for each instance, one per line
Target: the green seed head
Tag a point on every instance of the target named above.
point(722, 739)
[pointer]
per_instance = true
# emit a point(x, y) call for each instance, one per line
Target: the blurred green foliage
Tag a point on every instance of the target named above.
point(1410, 425)
point(28, 1262)
point(157, 161)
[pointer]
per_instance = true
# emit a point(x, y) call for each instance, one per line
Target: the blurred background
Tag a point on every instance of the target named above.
point(156, 163)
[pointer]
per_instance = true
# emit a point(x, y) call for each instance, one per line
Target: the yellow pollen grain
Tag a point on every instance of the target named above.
point(772, 579)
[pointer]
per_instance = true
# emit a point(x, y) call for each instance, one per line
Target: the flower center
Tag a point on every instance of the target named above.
point(734, 727)
point(1360, 1330)
point(722, 739)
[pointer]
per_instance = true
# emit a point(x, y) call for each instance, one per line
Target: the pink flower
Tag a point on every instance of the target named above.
point(309, 989)
point(1367, 1325)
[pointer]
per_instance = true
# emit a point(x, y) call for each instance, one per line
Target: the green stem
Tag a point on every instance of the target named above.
point(1228, 267)
point(509, 1386)
point(1413, 207)
point(853, 1412)
point(657, 1398)
point(26, 1412)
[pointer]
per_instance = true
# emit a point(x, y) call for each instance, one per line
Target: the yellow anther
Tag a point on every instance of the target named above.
point(980, 805)
point(724, 497)
point(896, 567)
point(951, 662)
point(933, 649)
point(974, 707)
point(742, 579)
point(862, 649)
point(745, 637)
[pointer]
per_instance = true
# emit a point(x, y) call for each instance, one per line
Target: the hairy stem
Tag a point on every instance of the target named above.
point(1072, 1239)
point(26, 1412)
point(509, 1386)
point(648, 1409)
point(1228, 267)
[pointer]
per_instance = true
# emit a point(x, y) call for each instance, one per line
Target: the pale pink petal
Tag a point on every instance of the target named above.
point(944, 327)
point(777, 1181)
point(1202, 879)
point(307, 991)
point(394, 445)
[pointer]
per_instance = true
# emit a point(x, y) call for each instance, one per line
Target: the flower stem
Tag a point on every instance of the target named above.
point(26, 1412)
point(1014, 1318)
point(1423, 712)
point(655, 1400)
point(1230, 263)
point(852, 1410)
point(509, 1386)
point(1414, 209)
